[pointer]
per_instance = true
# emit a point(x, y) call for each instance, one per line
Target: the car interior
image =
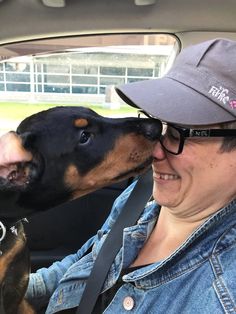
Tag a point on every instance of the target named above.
point(73, 52)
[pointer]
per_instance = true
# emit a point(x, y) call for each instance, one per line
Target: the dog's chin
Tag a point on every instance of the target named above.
point(137, 170)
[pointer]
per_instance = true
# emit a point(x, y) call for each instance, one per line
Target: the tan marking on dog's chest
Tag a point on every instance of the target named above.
point(9, 255)
point(25, 308)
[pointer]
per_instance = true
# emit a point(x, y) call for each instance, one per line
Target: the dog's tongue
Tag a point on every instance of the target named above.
point(11, 153)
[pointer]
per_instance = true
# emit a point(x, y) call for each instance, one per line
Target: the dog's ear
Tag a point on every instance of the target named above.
point(81, 123)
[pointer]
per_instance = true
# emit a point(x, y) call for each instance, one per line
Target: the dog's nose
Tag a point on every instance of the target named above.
point(151, 129)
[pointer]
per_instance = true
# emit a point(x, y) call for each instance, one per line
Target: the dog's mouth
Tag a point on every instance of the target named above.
point(19, 176)
point(19, 166)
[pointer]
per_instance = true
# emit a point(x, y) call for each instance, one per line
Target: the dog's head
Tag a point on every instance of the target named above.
point(66, 152)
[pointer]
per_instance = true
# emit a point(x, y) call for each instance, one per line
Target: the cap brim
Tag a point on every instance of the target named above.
point(171, 101)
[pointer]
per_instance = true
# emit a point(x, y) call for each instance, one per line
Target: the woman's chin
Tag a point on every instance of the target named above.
point(165, 199)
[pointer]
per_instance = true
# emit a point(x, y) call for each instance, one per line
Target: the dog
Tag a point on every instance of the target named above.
point(58, 155)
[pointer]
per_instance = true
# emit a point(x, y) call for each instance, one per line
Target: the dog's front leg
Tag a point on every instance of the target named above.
point(25, 308)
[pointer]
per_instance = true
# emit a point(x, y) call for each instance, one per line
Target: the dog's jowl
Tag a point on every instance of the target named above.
point(58, 155)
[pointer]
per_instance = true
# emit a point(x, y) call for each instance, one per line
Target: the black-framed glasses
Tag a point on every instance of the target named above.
point(173, 137)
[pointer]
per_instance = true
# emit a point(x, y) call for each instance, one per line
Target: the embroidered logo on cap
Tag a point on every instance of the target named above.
point(233, 104)
point(220, 93)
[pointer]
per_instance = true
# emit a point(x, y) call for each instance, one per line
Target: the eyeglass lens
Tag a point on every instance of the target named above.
point(170, 139)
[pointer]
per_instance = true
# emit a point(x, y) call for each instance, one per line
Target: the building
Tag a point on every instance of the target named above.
point(82, 75)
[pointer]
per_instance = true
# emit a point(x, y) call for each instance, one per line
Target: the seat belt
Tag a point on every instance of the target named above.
point(111, 246)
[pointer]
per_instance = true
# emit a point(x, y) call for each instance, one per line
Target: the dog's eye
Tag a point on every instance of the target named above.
point(84, 137)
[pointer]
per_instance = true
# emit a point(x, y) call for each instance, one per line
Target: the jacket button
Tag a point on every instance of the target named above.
point(128, 303)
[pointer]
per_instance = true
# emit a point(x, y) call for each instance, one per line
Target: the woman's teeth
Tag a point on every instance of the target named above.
point(167, 176)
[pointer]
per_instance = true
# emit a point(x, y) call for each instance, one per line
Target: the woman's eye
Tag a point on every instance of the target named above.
point(84, 137)
point(172, 134)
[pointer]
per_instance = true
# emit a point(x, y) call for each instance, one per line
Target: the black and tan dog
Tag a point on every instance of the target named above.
point(58, 155)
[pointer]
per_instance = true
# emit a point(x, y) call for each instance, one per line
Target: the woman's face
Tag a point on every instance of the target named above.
point(201, 177)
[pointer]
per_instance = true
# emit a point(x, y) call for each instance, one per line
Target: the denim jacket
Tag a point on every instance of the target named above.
point(199, 277)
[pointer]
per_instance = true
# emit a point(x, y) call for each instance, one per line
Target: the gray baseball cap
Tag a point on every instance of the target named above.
point(199, 89)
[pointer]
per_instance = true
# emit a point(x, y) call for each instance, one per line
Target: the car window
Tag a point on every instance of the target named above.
point(37, 75)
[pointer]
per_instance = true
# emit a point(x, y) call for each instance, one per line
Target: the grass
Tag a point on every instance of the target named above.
point(18, 111)
point(12, 113)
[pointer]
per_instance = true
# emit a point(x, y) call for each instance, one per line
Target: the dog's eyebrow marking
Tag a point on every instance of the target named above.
point(80, 123)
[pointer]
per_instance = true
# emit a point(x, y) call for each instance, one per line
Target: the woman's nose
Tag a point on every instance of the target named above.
point(159, 152)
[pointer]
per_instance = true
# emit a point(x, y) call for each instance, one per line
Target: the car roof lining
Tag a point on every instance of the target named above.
point(30, 19)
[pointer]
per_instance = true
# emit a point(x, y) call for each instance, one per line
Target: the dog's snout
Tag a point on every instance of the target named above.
point(151, 129)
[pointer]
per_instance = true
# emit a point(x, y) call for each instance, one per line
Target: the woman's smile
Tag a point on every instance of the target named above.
point(165, 176)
